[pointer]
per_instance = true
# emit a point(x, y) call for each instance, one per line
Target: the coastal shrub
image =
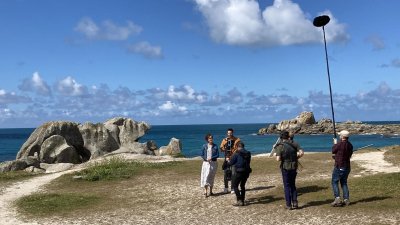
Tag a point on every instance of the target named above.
point(118, 168)
point(55, 203)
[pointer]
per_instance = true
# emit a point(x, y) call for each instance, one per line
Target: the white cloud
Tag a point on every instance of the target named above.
point(70, 87)
point(146, 49)
point(35, 84)
point(239, 22)
point(12, 98)
point(173, 107)
point(107, 30)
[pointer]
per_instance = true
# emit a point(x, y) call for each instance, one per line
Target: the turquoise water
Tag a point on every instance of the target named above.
point(192, 138)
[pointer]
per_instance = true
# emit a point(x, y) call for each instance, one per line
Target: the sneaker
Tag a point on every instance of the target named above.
point(288, 207)
point(337, 202)
point(295, 205)
point(238, 203)
point(232, 192)
point(346, 202)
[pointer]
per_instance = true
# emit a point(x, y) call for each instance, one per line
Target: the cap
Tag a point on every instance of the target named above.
point(344, 133)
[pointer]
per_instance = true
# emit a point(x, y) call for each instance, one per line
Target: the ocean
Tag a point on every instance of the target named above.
point(192, 138)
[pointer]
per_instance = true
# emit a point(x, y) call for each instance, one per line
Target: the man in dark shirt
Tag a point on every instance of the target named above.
point(342, 152)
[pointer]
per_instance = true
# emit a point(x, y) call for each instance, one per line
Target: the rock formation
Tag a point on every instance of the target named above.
point(306, 124)
point(72, 143)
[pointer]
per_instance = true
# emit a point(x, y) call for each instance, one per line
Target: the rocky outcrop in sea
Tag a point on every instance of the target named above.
point(305, 123)
point(62, 142)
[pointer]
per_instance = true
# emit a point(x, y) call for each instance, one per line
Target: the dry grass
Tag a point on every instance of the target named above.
point(393, 155)
point(171, 195)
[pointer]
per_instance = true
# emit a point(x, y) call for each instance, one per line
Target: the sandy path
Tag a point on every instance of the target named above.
point(374, 162)
point(8, 214)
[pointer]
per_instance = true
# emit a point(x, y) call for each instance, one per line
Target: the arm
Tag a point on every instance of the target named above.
point(202, 152)
point(215, 153)
point(222, 146)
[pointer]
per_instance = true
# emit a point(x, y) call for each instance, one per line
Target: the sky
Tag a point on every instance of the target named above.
point(197, 61)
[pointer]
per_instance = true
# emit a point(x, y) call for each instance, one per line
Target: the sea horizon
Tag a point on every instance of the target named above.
point(192, 138)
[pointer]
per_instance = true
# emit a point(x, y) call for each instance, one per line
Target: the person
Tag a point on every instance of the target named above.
point(341, 152)
point(228, 147)
point(210, 154)
point(288, 152)
point(241, 161)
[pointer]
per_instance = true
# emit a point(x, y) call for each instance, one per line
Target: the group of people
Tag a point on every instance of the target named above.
point(237, 168)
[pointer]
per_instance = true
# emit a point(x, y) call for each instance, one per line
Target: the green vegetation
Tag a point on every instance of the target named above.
point(117, 168)
point(42, 204)
point(14, 176)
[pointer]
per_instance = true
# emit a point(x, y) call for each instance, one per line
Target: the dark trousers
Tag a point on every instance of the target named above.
point(239, 178)
point(289, 183)
point(227, 178)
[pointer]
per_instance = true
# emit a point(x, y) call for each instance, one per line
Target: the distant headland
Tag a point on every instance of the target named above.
point(305, 123)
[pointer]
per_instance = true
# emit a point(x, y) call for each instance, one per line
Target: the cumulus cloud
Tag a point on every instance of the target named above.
point(106, 30)
point(69, 87)
point(146, 49)
point(238, 22)
point(35, 84)
point(173, 107)
point(184, 104)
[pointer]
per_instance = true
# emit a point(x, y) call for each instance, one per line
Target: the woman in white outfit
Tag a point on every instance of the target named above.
point(210, 154)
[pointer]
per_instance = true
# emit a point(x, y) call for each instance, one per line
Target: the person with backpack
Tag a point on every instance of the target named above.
point(210, 154)
point(241, 162)
point(288, 152)
point(228, 147)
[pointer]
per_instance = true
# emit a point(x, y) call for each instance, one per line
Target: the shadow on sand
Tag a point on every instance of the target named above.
point(263, 200)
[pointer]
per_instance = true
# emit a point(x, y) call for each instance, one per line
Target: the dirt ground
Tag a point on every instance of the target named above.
point(182, 202)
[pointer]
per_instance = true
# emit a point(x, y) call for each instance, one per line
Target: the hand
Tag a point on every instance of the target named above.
point(334, 141)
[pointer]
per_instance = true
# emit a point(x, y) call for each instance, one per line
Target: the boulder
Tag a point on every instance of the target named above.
point(13, 165)
point(97, 139)
point(173, 148)
point(68, 130)
point(55, 149)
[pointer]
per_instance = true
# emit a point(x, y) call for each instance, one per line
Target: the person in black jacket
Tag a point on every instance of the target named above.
point(241, 161)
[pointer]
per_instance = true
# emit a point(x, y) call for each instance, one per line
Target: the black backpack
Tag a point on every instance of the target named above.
point(246, 155)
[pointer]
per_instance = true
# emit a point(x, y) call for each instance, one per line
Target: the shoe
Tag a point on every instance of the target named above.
point(238, 203)
point(226, 190)
point(232, 192)
point(337, 202)
point(346, 202)
point(288, 207)
point(295, 205)
point(211, 193)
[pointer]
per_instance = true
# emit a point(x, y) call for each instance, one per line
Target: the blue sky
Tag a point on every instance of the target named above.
point(196, 61)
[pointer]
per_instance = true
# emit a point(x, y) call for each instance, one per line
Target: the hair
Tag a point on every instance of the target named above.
point(240, 144)
point(207, 136)
point(230, 129)
point(284, 134)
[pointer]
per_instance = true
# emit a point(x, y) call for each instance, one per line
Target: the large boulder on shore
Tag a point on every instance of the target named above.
point(68, 130)
point(55, 149)
point(98, 140)
point(305, 118)
point(173, 148)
